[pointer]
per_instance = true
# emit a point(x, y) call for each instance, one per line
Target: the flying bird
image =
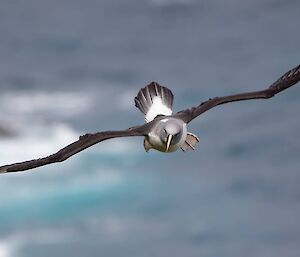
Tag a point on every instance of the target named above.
point(163, 130)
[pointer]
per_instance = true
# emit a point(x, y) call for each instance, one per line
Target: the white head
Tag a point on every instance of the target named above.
point(171, 131)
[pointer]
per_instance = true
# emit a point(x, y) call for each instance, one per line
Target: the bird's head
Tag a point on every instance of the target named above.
point(171, 132)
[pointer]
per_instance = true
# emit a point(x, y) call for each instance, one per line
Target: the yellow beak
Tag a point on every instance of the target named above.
point(169, 139)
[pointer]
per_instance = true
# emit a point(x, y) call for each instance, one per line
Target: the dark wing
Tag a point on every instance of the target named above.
point(84, 142)
point(287, 80)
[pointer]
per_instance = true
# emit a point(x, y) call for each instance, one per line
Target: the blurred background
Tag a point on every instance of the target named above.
point(71, 67)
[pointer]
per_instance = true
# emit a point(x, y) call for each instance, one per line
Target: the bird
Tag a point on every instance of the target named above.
point(162, 131)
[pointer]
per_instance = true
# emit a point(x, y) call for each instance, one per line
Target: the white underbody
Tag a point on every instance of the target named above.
point(158, 108)
point(156, 142)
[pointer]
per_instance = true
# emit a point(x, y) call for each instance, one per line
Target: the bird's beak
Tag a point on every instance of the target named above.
point(169, 139)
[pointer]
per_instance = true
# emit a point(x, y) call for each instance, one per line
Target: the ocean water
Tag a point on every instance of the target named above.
point(71, 67)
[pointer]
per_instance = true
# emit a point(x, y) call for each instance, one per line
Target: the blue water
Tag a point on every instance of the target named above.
point(71, 67)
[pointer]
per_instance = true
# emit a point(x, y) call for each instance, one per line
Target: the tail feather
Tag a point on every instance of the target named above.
point(153, 100)
point(190, 142)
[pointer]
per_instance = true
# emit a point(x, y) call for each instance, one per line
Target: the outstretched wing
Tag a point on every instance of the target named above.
point(84, 142)
point(287, 80)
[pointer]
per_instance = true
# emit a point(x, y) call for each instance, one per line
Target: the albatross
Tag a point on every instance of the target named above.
point(163, 130)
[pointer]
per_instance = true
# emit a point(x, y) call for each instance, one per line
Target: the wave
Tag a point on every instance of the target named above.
point(36, 140)
point(6, 249)
point(37, 119)
point(27, 102)
point(11, 245)
point(84, 180)
point(44, 139)
point(18, 103)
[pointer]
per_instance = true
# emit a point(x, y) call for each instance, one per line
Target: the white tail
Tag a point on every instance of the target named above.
point(154, 100)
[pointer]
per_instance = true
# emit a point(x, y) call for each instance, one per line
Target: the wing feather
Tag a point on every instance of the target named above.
point(289, 79)
point(84, 142)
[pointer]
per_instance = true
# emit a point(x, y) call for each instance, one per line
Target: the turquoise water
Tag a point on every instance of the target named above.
point(71, 67)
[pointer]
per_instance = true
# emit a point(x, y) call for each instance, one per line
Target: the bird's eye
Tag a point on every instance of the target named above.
point(176, 135)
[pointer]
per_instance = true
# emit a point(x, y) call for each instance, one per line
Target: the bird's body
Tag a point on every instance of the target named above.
point(163, 130)
point(158, 135)
point(167, 133)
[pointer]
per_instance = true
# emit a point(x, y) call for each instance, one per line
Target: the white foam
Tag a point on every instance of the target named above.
point(27, 102)
point(157, 108)
point(41, 140)
point(37, 138)
point(38, 141)
point(6, 249)
point(13, 243)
